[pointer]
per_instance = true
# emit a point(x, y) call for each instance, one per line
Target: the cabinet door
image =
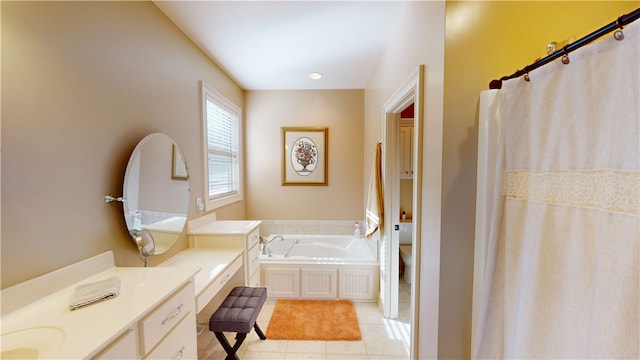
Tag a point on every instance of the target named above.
point(319, 283)
point(255, 280)
point(282, 283)
point(406, 152)
point(358, 284)
point(124, 347)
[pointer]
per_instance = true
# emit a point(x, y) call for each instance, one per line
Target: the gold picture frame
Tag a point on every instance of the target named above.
point(178, 165)
point(305, 160)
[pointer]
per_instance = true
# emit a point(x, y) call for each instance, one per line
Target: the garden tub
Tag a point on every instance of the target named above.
point(319, 267)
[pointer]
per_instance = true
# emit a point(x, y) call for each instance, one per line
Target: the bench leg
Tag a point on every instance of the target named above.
point(259, 331)
point(231, 351)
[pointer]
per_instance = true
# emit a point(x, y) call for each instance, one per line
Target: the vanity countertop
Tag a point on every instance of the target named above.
point(211, 262)
point(88, 329)
point(224, 227)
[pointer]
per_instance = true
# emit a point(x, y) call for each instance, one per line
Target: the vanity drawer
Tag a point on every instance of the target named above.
point(180, 343)
point(252, 259)
point(253, 238)
point(159, 322)
point(208, 293)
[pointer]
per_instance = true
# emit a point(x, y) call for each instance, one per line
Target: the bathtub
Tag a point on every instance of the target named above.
point(319, 267)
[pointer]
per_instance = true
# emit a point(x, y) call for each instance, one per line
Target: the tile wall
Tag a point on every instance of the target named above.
point(315, 227)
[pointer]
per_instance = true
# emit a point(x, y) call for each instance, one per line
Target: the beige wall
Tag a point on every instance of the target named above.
point(418, 38)
point(484, 41)
point(82, 83)
point(406, 197)
point(342, 111)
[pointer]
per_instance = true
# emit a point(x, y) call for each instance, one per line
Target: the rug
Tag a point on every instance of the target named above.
point(314, 320)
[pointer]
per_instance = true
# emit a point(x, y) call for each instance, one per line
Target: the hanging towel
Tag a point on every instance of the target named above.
point(375, 203)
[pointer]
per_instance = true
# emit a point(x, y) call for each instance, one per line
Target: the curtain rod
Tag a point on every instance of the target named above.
point(617, 24)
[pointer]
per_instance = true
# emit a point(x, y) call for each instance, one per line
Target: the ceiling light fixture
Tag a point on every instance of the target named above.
point(315, 76)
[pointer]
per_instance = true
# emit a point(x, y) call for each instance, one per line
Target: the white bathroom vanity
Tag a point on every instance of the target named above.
point(153, 316)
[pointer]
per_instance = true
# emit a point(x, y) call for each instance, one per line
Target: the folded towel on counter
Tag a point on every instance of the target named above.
point(87, 294)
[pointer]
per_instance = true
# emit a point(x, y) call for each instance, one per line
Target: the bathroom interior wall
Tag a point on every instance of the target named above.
point(406, 197)
point(342, 111)
point(486, 40)
point(82, 83)
point(418, 38)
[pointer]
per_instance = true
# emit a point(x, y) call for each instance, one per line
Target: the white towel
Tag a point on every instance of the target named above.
point(87, 294)
point(375, 203)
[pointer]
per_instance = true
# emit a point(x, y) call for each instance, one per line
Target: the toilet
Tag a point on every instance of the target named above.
point(406, 254)
point(406, 251)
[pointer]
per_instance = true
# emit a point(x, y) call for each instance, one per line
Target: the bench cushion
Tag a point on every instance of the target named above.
point(239, 310)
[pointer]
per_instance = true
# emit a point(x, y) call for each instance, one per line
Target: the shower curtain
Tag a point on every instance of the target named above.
point(561, 273)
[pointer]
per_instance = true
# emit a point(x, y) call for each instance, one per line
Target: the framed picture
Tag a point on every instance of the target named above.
point(178, 167)
point(304, 156)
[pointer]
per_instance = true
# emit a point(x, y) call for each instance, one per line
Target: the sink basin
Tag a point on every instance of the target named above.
point(31, 343)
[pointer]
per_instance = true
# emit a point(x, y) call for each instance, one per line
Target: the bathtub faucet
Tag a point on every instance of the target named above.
point(266, 242)
point(273, 238)
point(291, 247)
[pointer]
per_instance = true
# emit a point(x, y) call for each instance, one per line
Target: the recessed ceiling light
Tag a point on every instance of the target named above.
point(315, 76)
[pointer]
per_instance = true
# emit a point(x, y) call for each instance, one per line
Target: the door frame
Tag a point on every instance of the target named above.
point(412, 91)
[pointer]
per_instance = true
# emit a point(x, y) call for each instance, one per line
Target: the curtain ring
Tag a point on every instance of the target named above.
point(526, 77)
point(565, 57)
point(618, 34)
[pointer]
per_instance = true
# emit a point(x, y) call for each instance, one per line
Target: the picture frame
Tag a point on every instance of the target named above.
point(305, 160)
point(178, 165)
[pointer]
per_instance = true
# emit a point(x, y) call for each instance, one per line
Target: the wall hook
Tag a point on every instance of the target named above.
point(110, 198)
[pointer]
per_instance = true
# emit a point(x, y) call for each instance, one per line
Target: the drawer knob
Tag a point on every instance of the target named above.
point(172, 316)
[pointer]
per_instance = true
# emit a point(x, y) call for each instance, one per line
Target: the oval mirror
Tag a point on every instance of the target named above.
point(156, 188)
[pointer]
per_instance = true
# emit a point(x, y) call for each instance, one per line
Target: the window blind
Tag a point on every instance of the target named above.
point(222, 150)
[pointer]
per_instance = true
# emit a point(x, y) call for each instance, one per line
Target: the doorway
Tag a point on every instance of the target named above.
point(410, 93)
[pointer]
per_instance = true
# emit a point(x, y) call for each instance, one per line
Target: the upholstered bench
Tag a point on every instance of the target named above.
point(238, 313)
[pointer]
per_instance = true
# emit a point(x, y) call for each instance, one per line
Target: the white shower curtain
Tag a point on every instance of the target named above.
point(489, 202)
point(562, 278)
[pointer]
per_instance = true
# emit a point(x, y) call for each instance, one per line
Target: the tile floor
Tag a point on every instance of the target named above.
point(381, 338)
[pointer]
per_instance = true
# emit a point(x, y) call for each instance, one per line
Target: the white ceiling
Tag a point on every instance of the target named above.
point(269, 45)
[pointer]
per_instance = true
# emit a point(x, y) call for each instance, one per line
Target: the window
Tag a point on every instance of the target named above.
point(222, 156)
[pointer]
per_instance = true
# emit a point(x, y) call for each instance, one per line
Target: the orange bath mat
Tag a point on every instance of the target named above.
point(314, 320)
